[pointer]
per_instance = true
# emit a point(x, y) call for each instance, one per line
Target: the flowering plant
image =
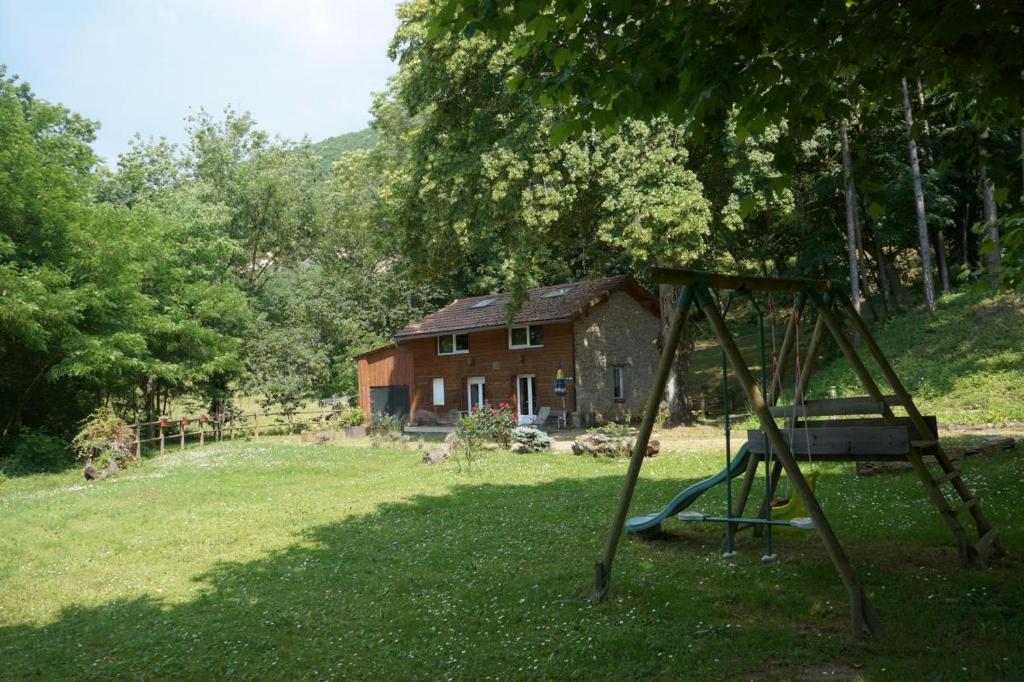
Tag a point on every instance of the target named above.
point(487, 423)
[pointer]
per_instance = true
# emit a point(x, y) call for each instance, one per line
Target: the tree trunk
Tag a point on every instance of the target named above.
point(850, 191)
point(680, 409)
point(922, 222)
point(988, 197)
point(966, 231)
point(881, 275)
point(940, 255)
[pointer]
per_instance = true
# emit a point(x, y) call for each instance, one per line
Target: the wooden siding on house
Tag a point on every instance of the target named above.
point(490, 357)
point(387, 366)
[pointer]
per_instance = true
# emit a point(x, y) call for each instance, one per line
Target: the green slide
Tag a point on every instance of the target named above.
point(686, 498)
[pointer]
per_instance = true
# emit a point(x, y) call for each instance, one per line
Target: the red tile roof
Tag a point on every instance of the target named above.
point(545, 304)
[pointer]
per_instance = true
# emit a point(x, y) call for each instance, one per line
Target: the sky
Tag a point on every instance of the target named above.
point(301, 67)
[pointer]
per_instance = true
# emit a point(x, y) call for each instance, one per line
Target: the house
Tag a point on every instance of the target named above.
point(602, 334)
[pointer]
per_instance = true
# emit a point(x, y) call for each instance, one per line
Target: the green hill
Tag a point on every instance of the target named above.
point(964, 364)
point(332, 148)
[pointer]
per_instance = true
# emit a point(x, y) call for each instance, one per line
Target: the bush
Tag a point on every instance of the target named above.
point(350, 416)
point(488, 424)
point(613, 430)
point(382, 423)
point(104, 437)
point(530, 439)
point(32, 452)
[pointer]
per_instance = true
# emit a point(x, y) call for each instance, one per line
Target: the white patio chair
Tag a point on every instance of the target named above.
point(540, 418)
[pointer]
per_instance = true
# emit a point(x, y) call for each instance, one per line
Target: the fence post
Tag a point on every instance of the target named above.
point(138, 440)
point(231, 429)
point(202, 433)
point(256, 424)
point(161, 438)
point(181, 434)
point(290, 429)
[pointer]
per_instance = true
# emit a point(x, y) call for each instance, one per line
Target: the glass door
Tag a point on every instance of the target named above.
point(526, 398)
point(475, 386)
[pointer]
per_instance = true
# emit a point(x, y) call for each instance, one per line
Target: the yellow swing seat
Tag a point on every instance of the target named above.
point(793, 508)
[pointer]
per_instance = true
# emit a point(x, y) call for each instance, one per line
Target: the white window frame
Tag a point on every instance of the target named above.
point(438, 390)
point(527, 327)
point(621, 372)
point(454, 350)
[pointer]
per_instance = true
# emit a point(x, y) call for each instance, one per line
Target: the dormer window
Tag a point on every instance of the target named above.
point(452, 344)
point(530, 336)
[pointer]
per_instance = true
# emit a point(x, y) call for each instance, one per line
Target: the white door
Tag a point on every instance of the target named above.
point(475, 386)
point(526, 398)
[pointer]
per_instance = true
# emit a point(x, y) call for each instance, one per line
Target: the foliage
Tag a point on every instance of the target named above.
point(33, 452)
point(1011, 268)
point(613, 429)
point(286, 366)
point(530, 439)
point(104, 436)
point(382, 423)
point(487, 424)
point(351, 416)
point(607, 61)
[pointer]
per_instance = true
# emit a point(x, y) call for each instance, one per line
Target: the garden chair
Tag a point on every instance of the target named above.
point(542, 416)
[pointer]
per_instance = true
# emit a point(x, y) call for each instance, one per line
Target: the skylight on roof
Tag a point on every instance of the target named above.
point(557, 293)
point(484, 303)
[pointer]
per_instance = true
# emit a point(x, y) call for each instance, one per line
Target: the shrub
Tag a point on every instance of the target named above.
point(530, 439)
point(613, 430)
point(33, 452)
point(104, 436)
point(351, 416)
point(382, 424)
point(488, 424)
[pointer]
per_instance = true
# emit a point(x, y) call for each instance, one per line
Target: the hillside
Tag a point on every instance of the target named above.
point(332, 148)
point(965, 364)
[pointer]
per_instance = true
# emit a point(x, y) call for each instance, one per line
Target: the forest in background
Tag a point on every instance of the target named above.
point(238, 262)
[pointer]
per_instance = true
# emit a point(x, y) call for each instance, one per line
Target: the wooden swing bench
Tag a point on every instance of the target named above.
point(860, 439)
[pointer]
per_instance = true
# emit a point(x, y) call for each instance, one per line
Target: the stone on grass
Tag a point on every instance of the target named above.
point(595, 444)
point(434, 456)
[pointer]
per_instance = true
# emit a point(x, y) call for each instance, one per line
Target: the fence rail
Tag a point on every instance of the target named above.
point(222, 427)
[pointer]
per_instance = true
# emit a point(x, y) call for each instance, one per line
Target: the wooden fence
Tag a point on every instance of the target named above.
point(225, 427)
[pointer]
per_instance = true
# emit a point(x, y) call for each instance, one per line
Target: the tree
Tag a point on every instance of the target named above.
point(922, 223)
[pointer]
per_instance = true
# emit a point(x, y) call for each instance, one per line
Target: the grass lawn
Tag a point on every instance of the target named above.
point(275, 560)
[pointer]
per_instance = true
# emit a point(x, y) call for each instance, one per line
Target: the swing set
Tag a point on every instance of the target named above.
point(848, 435)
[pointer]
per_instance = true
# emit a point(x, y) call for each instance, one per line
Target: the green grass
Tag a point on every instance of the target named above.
point(965, 364)
point(274, 560)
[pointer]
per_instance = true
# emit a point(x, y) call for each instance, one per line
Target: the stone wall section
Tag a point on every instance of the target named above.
point(618, 333)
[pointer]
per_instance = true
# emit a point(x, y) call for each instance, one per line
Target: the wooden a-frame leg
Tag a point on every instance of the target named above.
point(868, 382)
point(864, 621)
point(603, 569)
point(980, 519)
point(740, 503)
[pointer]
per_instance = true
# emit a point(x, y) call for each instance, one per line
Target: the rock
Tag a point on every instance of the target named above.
point(434, 456)
point(92, 474)
point(307, 437)
point(595, 444)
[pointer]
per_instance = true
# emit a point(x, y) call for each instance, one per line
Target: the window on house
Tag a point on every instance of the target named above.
point(439, 391)
point(618, 383)
point(531, 336)
point(450, 344)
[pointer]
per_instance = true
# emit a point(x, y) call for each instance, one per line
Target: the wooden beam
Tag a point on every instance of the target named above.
point(862, 615)
point(714, 280)
point(828, 407)
point(849, 442)
point(603, 569)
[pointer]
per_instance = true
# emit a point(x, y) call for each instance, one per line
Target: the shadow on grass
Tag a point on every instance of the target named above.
point(489, 579)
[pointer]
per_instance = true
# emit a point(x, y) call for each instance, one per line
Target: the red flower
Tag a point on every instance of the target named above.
point(476, 408)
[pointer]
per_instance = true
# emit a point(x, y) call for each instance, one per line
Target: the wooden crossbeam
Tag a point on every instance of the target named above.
point(829, 407)
point(850, 442)
point(693, 278)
